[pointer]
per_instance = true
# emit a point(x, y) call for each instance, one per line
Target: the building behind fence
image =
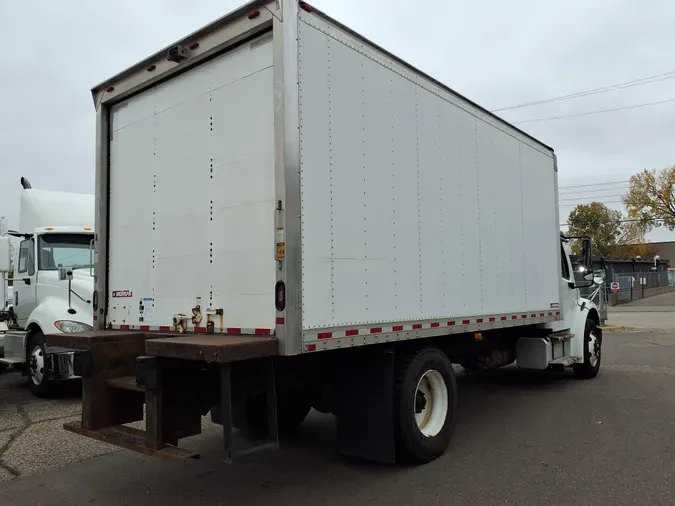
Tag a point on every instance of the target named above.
point(636, 278)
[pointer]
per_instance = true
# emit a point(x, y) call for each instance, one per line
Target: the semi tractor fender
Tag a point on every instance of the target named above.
point(587, 310)
point(54, 309)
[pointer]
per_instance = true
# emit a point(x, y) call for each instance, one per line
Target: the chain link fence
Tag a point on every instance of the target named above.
point(638, 285)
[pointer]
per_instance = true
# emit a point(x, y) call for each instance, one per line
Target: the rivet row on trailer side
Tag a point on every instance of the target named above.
point(288, 217)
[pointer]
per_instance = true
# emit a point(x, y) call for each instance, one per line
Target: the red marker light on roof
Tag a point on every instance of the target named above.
point(305, 6)
point(151, 68)
point(110, 89)
point(253, 14)
point(194, 45)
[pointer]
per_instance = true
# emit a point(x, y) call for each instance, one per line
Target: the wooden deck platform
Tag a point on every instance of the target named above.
point(214, 348)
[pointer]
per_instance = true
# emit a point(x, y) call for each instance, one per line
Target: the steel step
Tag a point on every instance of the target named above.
point(563, 335)
point(125, 383)
point(131, 439)
point(10, 361)
point(565, 361)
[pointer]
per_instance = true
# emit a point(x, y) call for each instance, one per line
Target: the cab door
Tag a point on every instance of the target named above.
point(25, 285)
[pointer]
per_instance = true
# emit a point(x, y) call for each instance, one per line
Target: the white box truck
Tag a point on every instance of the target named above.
point(288, 217)
point(53, 283)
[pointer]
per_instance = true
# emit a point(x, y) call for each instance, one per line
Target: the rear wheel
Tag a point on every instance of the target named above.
point(425, 399)
point(37, 366)
point(592, 353)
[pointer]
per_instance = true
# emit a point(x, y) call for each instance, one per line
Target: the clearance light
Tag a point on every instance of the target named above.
point(478, 336)
point(151, 68)
point(253, 14)
point(110, 89)
point(194, 45)
point(305, 6)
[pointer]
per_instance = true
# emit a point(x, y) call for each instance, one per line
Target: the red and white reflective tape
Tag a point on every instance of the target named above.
point(196, 330)
point(454, 323)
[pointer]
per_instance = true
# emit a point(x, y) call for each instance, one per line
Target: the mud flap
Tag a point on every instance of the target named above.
point(365, 406)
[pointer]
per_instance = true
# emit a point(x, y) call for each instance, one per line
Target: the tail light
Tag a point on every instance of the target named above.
point(280, 296)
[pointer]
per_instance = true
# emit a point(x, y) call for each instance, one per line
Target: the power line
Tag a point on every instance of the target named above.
point(595, 197)
point(592, 184)
point(622, 221)
point(585, 203)
point(601, 111)
point(594, 91)
point(572, 192)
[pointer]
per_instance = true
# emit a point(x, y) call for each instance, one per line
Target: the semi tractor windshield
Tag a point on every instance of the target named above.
point(66, 250)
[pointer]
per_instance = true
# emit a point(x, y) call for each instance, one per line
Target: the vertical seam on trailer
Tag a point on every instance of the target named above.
point(522, 216)
point(419, 227)
point(365, 189)
point(300, 170)
point(211, 197)
point(393, 190)
point(330, 178)
point(478, 217)
point(299, 264)
point(441, 165)
point(462, 184)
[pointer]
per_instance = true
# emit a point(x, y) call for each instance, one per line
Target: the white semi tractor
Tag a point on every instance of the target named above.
point(288, 217)
point(53, 282)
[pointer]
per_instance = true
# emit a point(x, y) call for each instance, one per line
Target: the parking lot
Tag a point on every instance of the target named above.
point(521, 438)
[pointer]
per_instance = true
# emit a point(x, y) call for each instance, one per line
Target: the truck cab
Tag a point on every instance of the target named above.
point(53, 282)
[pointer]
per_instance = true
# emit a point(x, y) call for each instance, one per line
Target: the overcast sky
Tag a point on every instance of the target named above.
point(498, 53)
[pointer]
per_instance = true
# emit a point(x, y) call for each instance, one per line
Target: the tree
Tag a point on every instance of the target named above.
point(611, 234)
point(651, 200)
point(599, 222)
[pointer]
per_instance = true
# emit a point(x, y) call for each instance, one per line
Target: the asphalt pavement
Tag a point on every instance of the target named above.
point(650, 314)
point(521, 438)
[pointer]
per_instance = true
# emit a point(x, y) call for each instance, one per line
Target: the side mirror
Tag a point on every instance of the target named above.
point(65, 274)
point(584, 266)
point(587, 254)
point(5, 254)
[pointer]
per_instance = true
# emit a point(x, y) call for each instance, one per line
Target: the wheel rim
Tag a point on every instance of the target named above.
point(37, 365)
point(431, 403)
point(593, 349)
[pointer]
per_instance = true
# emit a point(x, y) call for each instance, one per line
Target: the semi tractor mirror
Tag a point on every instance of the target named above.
point(584, 267)
point(586, 262)
point(5, 255)
point(65, 273)
point(587, 254)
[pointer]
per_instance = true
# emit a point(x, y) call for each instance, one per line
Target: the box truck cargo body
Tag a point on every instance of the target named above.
point(275, 186)
point(414, 206)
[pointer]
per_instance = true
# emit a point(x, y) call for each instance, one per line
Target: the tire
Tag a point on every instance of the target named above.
point(591, 366)
point(425, 403)
point(37, 367)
